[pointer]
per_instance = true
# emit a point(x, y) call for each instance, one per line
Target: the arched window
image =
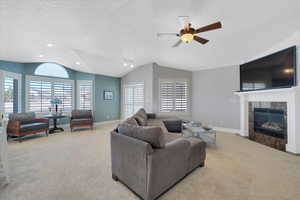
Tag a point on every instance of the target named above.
point(51, 69)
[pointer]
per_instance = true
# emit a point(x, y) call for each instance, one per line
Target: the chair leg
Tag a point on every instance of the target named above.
point(20, 139)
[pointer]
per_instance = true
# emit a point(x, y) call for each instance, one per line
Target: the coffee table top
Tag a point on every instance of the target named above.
point(206, 134)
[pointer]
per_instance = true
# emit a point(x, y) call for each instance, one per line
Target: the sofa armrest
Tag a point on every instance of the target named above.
point(13, 127)
point(151, 115)
point(129, 161)
point(167, 166)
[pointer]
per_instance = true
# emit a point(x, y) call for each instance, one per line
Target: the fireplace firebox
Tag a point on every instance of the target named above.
point(270, 122)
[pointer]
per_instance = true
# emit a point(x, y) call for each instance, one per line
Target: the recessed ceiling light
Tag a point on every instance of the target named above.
point(50, 45)
point(41, 56)
point(77, 63)
point(131, 65)
point(125, 64)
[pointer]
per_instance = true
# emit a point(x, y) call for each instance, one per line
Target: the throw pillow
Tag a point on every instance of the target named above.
point(151, 134)
point(142, 113)
point(140, 120)
point(131, 121)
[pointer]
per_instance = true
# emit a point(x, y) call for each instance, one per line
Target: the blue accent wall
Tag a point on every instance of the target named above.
point(104, 110)
point(107, 109)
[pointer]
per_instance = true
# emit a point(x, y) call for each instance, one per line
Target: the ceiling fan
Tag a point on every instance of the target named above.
point(188, 33)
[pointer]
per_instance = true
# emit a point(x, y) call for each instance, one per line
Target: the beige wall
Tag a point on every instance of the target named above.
point(167, 73)
point(214, 101)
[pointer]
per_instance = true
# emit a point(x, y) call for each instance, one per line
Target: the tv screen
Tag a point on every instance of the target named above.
point(274, 71)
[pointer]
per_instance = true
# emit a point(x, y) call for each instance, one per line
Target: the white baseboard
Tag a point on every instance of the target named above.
point(67, 126)
point(106, 122)
point(227, 130)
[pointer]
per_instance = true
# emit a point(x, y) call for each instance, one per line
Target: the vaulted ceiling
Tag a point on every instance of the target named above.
point(100, 34)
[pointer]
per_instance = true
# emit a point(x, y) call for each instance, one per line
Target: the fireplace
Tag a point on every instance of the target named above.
point(268, 123)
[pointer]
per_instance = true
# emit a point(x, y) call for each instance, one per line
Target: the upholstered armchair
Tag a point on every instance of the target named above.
point(21, 124)
point(81, 118)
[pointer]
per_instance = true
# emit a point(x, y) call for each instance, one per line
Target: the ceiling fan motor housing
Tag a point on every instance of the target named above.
point(187, 34)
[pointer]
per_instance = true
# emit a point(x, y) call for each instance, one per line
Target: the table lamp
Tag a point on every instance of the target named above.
point(55, 102)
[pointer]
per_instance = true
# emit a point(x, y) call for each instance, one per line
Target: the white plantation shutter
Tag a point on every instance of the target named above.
point(40, 95)
point(8, 95)
point(181, 96)
point(166, 96)
point(173, 96)
point(133, 98)
point(64, 92)
point(85, 95)
point(42, 90)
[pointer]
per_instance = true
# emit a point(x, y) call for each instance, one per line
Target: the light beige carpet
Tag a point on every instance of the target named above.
point(76, 166)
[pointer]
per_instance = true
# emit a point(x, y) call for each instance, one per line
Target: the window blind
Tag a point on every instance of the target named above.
point(85, 90)
point(8, 95)
point(64, 92)
point(41, 91)
point(40, 95)
point(133, 98)
point(173, 96)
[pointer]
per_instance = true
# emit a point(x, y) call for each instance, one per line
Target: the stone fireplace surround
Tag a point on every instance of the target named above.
point(289, 95)
point(273, 113)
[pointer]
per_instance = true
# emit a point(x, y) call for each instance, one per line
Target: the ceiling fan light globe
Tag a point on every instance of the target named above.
point(187, 37)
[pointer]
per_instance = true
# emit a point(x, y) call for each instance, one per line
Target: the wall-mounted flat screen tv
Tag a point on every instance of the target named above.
point(274, 71)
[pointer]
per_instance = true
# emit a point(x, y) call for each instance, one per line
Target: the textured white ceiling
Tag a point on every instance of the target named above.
point(100, 34)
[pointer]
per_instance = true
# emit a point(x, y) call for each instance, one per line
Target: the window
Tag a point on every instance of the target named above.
point(9, 95)
point(42, 90)
point(11, 85)
point(85, 94)
point(133, 98)
point(64, 92)
point(173, 96)
point(51, 69)
point(40, 95)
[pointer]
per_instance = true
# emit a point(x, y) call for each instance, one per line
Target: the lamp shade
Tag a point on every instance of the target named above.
point(56, 101)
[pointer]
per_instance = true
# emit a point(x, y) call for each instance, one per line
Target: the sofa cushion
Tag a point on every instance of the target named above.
point(23, 118)
point(142, 113)
point(151, 134)
point(82, 121)
point(131, 121)
point(140, 120)
point(157, 122)
point(33, 126)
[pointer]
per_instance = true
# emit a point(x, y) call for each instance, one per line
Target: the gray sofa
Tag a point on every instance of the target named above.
point(149, 166)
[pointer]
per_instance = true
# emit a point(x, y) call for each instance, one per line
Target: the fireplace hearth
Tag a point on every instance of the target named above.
point(268, 123)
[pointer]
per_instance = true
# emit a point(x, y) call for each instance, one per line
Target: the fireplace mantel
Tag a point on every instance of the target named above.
point(289, 95)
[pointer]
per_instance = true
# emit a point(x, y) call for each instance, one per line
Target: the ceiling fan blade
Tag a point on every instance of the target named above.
point(177, 43)
point(209, 27)
point(200, 39)
point(165, 34)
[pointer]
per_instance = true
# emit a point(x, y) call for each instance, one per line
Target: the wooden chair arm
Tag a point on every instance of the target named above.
point(13, 126)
